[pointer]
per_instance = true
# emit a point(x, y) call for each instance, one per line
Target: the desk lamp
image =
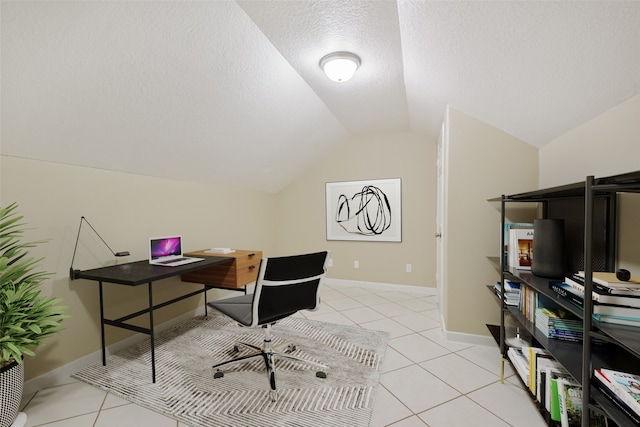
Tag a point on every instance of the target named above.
point(73, 274)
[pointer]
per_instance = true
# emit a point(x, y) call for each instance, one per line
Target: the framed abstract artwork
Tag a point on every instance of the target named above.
point(369, 210)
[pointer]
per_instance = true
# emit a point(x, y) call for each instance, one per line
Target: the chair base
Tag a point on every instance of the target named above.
point(268, 353)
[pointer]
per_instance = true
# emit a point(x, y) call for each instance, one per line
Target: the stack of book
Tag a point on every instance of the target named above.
point(558, 324)
point(622, 389)
point(511, 291)
point(614, 301)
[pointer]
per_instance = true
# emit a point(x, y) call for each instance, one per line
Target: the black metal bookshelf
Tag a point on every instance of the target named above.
point(589, 209)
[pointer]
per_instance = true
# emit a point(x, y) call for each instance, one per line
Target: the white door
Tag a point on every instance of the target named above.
point(440, 219)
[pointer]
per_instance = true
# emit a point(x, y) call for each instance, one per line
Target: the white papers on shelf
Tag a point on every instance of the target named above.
point(219, 251)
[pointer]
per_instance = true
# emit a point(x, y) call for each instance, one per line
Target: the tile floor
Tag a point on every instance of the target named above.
point(425, 380)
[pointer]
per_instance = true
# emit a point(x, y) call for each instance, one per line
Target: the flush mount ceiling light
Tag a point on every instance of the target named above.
point(340, 66)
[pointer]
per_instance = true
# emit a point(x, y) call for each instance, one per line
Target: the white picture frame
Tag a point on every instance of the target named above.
point(367, 210)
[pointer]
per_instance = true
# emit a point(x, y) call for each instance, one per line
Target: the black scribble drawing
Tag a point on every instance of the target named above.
point(367, 212)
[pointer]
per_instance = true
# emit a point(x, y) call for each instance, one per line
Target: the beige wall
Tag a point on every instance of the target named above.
point(607, 145)
point(301, 209)
point(484, 162)
point(126, 210)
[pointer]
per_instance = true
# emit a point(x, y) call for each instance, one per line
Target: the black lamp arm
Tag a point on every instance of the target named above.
point(73, 273)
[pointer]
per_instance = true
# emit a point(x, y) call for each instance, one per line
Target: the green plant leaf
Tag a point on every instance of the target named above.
point(26, 316)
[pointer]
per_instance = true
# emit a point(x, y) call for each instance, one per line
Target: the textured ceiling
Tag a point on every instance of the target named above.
point(231, 92)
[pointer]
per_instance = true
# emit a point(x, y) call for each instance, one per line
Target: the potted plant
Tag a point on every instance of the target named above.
point(26, 316)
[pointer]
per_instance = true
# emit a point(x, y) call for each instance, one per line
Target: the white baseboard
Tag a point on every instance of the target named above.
point(422, 290)
point(468, 338)
point(62, 374)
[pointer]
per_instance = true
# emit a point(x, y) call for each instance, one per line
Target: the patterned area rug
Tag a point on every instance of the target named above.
point(186, 390)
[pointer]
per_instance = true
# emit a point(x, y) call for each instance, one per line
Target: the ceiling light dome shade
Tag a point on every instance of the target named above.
point(340, 66)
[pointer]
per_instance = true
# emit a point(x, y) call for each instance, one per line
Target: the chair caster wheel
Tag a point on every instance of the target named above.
point(291, 348)
point(236, 349)
point(321, 374)
point(218, 374)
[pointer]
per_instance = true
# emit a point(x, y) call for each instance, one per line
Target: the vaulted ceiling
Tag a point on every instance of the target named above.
point(231, 91)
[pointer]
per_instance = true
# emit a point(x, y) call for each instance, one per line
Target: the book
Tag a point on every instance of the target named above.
point(512, 285)
point(609, 282)
point(220, 251)
point(604, 313)
point(567, 292)
point(535, 354)
point(604, 386)
point(521, 247)
point(615, 320)
point(625, 385)
point(602, 296)
point(511, 291)
point(570, 402)
point(520, 363)
point(554, 412)
point(507, 227)
point(550, 375)
point(542, 366)
point(616, 310)
point(557, 323)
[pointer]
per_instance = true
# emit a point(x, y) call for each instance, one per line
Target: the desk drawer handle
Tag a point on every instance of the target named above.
point(251, 267)
point(250, 255)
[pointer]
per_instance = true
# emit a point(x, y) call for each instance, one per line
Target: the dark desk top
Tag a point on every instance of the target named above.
point(139, 272)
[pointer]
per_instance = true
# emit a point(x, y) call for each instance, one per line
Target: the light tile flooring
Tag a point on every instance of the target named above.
point(425, 380)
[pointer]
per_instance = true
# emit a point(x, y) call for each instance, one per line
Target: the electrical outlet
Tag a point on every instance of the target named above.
point(329, 262)
point(408, 268)
point(356, 264)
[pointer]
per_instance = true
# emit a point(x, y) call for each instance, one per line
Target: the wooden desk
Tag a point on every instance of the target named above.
point(235, 275)
point(138, 273)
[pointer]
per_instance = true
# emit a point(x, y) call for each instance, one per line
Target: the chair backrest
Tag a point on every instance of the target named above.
point(286, 285)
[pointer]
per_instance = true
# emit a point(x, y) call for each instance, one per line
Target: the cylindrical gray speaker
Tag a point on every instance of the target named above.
point(549, 258)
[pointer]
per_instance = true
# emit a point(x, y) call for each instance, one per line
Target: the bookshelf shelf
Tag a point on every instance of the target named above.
point(589, 209)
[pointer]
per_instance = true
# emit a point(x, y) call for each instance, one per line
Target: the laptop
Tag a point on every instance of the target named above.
point(167, 251)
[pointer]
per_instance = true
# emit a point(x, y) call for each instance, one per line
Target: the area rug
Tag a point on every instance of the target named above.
point(185, 389)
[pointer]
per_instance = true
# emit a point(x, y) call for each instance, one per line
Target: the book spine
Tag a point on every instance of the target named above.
point(578, 283)
point(566, 294)
point(622, 314)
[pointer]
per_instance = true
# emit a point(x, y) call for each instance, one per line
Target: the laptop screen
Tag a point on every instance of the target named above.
point(165, 246)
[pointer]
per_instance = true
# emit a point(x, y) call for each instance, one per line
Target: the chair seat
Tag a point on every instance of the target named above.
point(237, 308)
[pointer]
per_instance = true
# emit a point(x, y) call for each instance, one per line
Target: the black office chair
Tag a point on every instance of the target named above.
point(285, 285)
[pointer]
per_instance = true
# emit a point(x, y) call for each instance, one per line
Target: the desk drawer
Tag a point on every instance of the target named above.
point(246, 259)
point(243, 270)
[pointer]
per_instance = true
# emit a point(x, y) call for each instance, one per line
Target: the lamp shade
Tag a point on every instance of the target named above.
point(340, 66)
